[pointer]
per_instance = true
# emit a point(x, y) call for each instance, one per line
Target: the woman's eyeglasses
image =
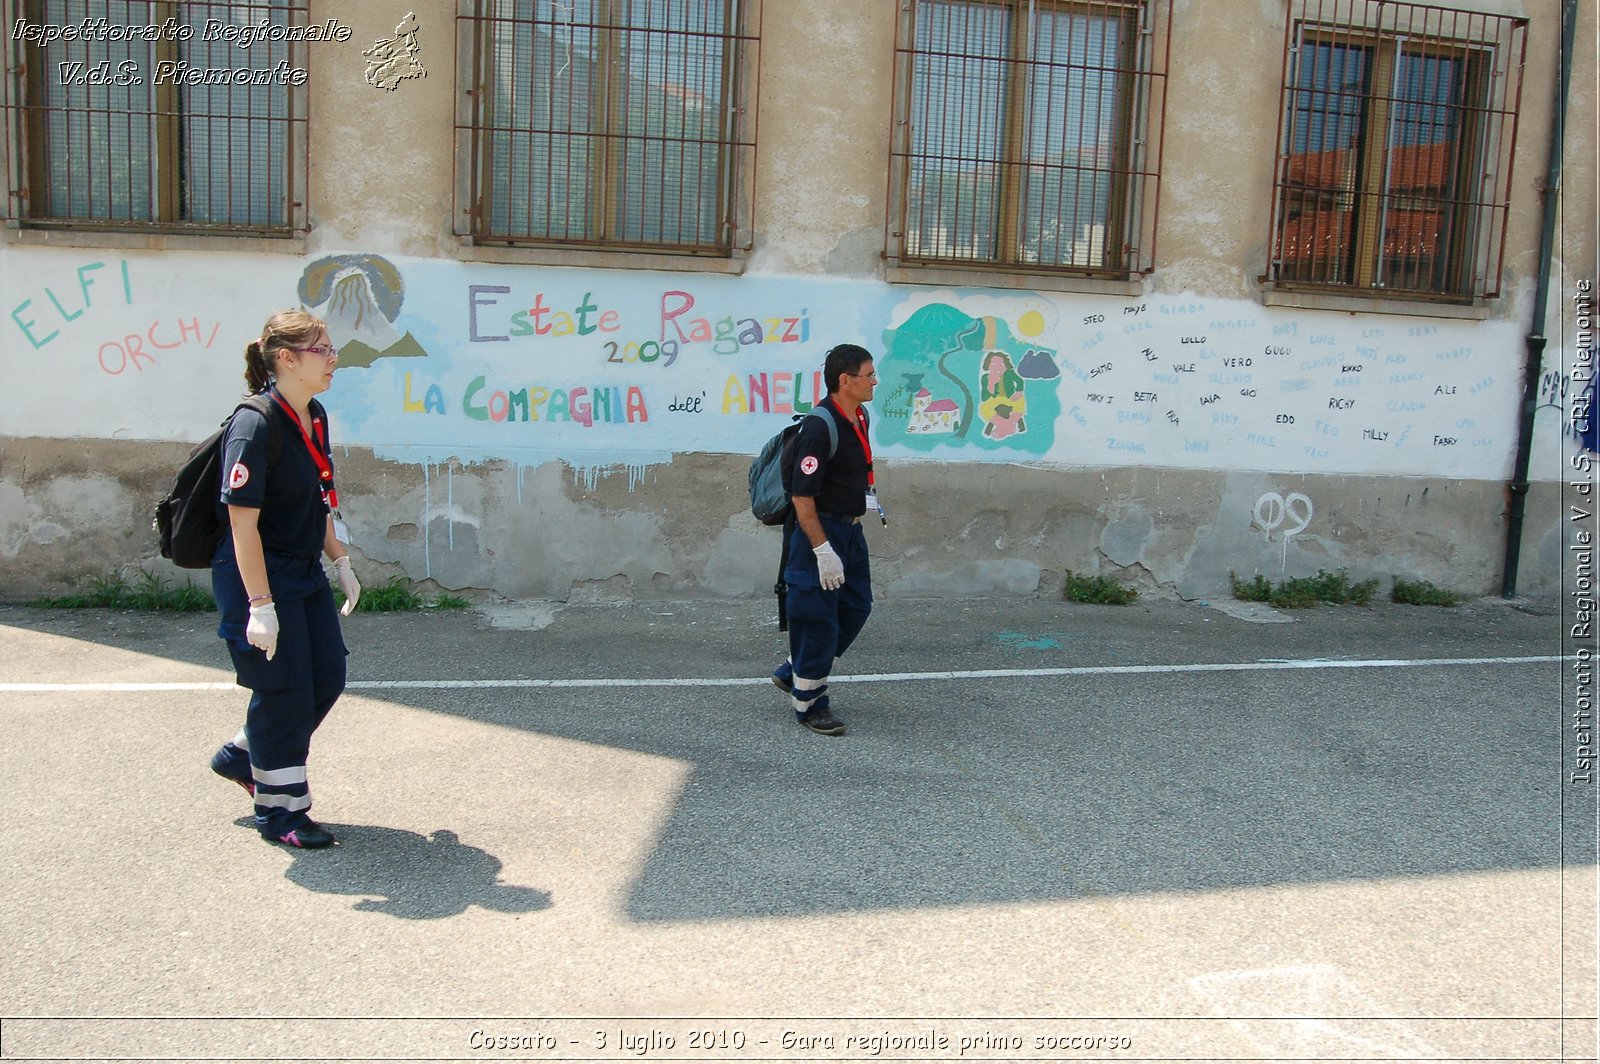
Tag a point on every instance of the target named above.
point(321, 350)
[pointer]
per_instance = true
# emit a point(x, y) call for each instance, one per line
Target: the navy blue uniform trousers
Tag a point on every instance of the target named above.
point(292, 693)
point(823, 624)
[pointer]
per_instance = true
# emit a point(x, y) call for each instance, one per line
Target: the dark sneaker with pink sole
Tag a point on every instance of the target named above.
point(308, 836)
point(232, 763)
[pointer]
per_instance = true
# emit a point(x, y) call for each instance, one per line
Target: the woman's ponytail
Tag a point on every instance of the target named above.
point(257, 373)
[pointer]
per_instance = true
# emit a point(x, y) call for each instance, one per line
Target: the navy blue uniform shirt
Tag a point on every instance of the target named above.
point(839, 484)
point(294, 515)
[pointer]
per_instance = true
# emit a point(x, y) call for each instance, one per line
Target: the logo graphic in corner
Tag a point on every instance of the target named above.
point(808, 464)
point(238, 476)
point(391, 61)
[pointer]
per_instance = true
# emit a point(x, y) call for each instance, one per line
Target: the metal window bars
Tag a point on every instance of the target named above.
point(1397, 134)
point(141, 122)
point(622, 124)
point(1027, 134)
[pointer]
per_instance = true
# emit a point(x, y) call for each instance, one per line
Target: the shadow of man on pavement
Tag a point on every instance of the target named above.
point(411, 876)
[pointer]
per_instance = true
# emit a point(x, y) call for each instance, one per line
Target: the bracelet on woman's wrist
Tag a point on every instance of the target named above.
point(260, 598)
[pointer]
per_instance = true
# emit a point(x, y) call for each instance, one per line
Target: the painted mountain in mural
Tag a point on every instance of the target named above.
point(359, 296)
point(354, 353)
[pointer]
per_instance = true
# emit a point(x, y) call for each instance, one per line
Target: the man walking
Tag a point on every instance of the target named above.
point(829, 580)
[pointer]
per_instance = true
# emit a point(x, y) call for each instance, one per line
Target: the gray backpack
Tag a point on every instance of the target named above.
point(771, 474)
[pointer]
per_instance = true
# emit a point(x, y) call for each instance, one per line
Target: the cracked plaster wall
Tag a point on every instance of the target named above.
point(75, 509)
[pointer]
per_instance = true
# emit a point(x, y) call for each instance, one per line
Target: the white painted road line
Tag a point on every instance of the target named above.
point(1274, 665)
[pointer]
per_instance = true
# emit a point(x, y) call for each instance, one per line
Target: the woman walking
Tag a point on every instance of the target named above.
point(278, 613)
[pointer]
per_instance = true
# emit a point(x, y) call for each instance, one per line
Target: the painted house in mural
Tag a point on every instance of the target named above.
point(932, 415)
point(1169, 291)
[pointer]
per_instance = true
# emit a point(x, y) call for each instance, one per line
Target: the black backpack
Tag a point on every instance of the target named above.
point(187, 519)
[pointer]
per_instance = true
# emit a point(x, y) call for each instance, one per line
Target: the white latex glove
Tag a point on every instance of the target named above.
point(348, 584)
point(262, 628)
point(830, 569)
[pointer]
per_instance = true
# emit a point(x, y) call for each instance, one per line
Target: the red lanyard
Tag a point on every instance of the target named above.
point(860, 425)
point(318, 455)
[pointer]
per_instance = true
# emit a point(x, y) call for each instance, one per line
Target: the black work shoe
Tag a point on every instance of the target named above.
point(783, 677)
point(821, 720)
point(307, 837)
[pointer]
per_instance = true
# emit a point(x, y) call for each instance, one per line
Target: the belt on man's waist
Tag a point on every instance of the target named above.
point(847, 519)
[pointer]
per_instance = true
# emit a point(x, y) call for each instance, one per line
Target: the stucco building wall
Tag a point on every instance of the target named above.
point(143, 337)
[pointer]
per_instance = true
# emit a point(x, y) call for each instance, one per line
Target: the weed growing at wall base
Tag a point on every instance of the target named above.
point(149, 592)
point(1422, 593)
point(397, 595)
point(1099, 590)
point(1306, 591)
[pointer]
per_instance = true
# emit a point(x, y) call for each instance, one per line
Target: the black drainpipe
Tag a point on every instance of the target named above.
point(1518, 487)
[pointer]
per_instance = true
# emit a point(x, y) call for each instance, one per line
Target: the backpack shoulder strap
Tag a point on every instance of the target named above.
point(262, 404)
point(833, 429)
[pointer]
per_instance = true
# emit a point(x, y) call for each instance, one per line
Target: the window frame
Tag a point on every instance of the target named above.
point(1474, 227)
point(1128, 245)
point(30, 197)
point(733, 184)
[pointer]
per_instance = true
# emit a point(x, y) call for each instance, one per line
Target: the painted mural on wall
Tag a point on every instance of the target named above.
point(443, 360)
point(949, 379)
point(360, 297)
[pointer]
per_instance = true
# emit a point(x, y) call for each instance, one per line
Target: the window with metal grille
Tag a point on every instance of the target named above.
point(608, 123)
point(1027, 134)
point(1398, 129)
point(186, 132)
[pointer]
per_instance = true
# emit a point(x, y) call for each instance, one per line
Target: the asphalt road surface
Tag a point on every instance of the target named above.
point(1053, 831)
